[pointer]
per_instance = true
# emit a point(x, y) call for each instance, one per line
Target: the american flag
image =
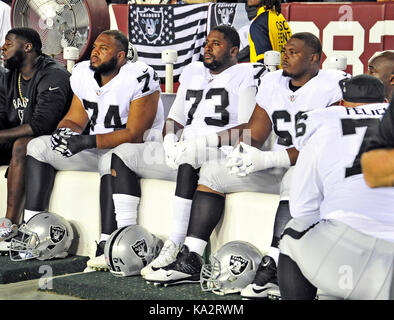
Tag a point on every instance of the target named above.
point(181, 27)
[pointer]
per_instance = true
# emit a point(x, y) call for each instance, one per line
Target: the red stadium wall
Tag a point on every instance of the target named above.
point(356, 29)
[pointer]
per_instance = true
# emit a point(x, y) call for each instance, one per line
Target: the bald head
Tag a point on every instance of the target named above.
point(382, 67)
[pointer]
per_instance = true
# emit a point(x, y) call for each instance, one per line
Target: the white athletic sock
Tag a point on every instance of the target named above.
point(274, 254)
point(180, 219)
point(126, 209)
point(29, 214)
point(195, 245)
point(104, 237)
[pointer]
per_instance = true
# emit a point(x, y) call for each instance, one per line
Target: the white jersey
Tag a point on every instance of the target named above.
point(207, 103)
point(327, 178)
point(284, 106)
point(108, 106)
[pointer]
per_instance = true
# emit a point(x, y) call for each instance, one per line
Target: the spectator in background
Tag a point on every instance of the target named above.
point(244, 53)
point(381, 66)
point(269, 30)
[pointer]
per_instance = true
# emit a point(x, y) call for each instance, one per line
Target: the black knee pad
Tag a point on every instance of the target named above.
point(107, 209)
point(125, 181)
point(292, 283)
point(186, 181)
point(282, 217)
point(207, 209)
point(39, 179)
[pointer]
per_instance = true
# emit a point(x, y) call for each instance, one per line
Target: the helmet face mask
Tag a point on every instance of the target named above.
point(45, 236)
point(231, 269)
point(24, 248)
point(129, 249)
point(210, 274)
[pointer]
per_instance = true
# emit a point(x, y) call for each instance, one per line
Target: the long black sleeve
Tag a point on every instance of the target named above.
point(384, 137)
point(52, 101)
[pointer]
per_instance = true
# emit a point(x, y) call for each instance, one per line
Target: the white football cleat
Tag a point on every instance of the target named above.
point(96, 264)
point(167, 255)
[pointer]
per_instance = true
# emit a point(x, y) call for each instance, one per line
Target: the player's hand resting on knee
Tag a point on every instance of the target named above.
point(59, 139)
point(170, 150)
point(78, 143)
point(246, 159)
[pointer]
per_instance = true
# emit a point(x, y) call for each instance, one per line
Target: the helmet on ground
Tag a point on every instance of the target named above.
point(45, 236)
point(231, 269)
point(129, 249)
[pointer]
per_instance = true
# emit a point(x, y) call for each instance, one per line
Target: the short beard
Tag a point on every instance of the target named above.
point(214, 65)
point(286, 74)
point(218, 64)
point(105, 67)
point(15, 61)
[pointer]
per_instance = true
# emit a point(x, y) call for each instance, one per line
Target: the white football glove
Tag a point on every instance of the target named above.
point(246, 159)
point(195, 151)
point(170, 150)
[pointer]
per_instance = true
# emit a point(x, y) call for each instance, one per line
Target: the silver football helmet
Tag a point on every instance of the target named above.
point(129, 249)
point(132, 53)
point(45, 236)
point(231, 269)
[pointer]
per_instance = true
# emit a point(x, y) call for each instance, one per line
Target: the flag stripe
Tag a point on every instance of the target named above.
point(181, 53)
point(188, 12)
point(191, 24)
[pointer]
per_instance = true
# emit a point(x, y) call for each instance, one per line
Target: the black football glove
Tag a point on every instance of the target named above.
point(78, 143)
point(59, 139)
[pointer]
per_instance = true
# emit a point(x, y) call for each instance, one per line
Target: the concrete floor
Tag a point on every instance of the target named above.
point(28, 290)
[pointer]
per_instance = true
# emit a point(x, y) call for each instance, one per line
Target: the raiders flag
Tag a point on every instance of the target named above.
point(181, 27)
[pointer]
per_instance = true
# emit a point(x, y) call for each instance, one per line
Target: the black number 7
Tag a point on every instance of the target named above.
point(146, 78)
point(349, 127)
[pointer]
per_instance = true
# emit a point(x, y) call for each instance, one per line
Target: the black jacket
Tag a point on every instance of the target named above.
point(49, 97)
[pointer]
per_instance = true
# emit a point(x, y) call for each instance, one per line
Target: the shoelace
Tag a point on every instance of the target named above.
point(162, 256)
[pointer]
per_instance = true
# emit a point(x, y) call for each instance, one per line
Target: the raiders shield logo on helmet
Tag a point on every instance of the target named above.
point(56, 233)
point(140, 248)
point(150, 22)
point(238, 265)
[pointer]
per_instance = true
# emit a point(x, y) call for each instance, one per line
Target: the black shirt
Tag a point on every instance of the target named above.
point(47, 97)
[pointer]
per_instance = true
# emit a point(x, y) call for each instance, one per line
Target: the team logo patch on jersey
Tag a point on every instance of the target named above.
point(224, 13)
point(292, 98)
point(152, 25)
point(238, 265)
point(57, 233)
point(140, 248)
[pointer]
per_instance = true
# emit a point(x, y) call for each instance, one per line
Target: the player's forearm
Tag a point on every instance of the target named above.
point(115, 138)
point(10, 135)
point(67, 123)
point(293, 155)
point(378, 168)
point(232, 136)
point(172, 127)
